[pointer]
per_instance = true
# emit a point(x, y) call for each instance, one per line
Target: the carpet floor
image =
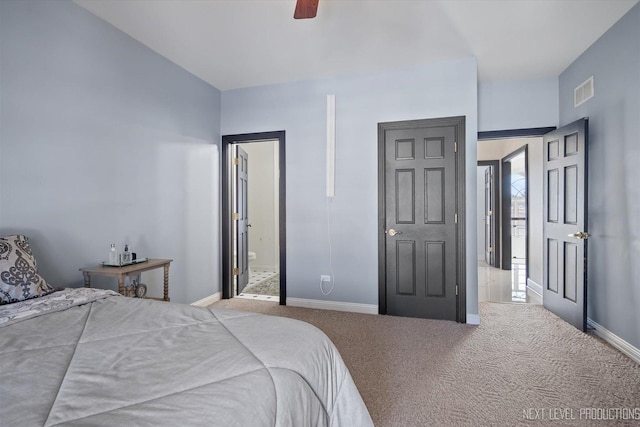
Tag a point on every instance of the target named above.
point(521, 366)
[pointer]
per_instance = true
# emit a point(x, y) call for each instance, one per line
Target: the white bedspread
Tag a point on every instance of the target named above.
point(111, 360)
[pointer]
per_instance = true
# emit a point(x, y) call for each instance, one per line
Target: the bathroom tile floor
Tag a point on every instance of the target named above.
point(258, 276)
point(263, 285)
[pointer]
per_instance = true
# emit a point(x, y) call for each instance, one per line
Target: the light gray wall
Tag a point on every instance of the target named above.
point(362, 101)
point(496, 149)
point(614, 156)
point(518, 104)
point(105, 141)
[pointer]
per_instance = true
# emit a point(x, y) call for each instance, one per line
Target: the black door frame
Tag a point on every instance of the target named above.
point(495, 164)
point(226, 207)
point(515, 133)
point(460, 123)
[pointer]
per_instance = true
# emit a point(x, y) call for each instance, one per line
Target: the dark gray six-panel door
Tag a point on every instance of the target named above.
point(565, 223)
point(241, 215)
point(420, 221)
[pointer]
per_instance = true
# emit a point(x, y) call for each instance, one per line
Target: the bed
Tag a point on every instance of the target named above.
point(92, 357)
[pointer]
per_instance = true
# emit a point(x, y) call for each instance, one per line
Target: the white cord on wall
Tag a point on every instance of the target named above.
point(333, 276)
point(331, 145)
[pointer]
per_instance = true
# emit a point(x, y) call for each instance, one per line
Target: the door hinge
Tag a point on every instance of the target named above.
point(235, 161)
point(490, 248)
point(235, 216)
point(455, 147)
point(455, 218)
point(490, 213)
point(235, 271)
point(456, 290)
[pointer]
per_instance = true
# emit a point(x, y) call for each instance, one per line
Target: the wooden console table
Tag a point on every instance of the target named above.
point(129, 270)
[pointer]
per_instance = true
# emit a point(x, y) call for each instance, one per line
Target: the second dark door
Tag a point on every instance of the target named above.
point(488, 216)
point(241, 217)
point(565, 222)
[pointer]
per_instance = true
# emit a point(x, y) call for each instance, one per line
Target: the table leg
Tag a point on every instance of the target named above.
point(121, 285)
point(166, 282)
point(87, 279)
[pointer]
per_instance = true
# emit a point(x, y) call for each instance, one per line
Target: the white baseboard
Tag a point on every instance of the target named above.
point(208, 300)
point(333, 305)
point(473, 319)
point(255, 297)
point(616, 341)
point(535, 287)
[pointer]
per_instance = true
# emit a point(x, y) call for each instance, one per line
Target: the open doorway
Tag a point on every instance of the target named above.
point(253, 216)
point(255, 194)
point(517, 214)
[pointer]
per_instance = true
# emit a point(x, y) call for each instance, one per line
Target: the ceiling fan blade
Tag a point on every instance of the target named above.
point(306, 9)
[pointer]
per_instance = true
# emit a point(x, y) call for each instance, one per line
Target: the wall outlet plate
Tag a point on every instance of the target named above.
point(325, 278)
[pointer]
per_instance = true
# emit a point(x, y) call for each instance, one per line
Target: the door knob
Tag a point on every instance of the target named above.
point(581, 235)
point(391, 232)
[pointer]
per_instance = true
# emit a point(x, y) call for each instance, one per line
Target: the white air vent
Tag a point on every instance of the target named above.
point(583, 92)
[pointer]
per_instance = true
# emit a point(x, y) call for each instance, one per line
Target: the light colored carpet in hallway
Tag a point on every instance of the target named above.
point(521, 362)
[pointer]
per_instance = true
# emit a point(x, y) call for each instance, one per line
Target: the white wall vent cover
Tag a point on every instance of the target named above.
point(583, 92)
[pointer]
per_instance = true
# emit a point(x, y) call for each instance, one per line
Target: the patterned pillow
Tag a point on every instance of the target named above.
point(19, 278)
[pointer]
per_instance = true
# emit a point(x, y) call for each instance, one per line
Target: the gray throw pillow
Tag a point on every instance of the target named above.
point(19, 278)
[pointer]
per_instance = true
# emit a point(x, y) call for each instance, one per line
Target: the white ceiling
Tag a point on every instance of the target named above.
point(240, 43)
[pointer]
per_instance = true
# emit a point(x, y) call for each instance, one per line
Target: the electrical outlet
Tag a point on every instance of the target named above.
point(325, 278)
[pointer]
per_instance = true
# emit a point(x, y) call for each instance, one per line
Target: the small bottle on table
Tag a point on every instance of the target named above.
point(113, 255)
point(126, 258)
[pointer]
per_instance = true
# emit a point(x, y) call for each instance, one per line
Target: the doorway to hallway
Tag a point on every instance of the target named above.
point(515, 208)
